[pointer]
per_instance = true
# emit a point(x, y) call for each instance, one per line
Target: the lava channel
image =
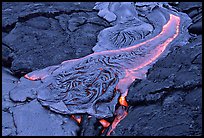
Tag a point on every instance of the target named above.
point(96, 83)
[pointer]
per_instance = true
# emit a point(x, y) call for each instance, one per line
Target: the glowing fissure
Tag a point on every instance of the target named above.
point(171, 25)
point(77, 118)
point(96, 83)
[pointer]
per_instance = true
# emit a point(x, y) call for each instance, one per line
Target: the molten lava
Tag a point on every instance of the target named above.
point(33, 78)
point(77, 118)
point(104, 123)
point(122, 101)
point(121, 113)
point(130, 74)
point(94, 84)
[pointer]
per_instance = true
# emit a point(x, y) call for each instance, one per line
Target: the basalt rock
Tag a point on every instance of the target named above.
point(21, 11)
point(161, 104)
point(133, 23)
point(180, 69)
point(196, 28)
point(90, 126)
point(8, 127)
point(93, 85)
point(48, 35)
point(33, 120)
point(176, 115)
point(9, 82)
point(194, 10)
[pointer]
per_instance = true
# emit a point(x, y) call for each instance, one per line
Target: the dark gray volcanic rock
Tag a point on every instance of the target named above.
point(196, 28)
point(90, 126)
point(33, 120)
point(8, 83)
point(40, 39)
point(194, 10)
point(13, 12)
point(8, 127)
point(175, 116)
point(29, 118)
point(78, 86)
point(185, 6)
point(6, 55)
point(135, 23)
point(169, 101)
point(37, 35)
point(6, 50)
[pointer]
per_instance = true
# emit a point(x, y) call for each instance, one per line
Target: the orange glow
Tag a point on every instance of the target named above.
point(131, 75)
point(123, 101)
point(103, 130)
point(33, 78)
point(133, 68)
point(167, 26)
point(130, 71)
point(76, 118)
point(124, 83)
point(104, 123)
point(120, 116)
point(160, 48)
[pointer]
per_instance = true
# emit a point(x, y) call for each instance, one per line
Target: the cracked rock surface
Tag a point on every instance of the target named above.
point(169, 101)
point(194, 10)
point(40, 122)
point(25, 117)
point(8, 128)
point(8, 83)
point(44, 31)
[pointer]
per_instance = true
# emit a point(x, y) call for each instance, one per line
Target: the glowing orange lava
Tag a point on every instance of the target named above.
point(131, 75)
point(132, 68)
point(34, 77)
point(104, 123)
point(123, 101)
point(121, 113)
point(77, 118)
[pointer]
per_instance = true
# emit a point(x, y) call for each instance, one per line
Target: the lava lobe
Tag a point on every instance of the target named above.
point(98, 83)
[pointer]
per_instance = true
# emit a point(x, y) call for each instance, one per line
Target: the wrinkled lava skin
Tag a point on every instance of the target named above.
point(93, 84)
point(98, 84)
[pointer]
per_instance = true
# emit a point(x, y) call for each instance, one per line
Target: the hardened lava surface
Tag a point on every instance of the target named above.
point(34, 32)
point(169, 101)
point(148, 82)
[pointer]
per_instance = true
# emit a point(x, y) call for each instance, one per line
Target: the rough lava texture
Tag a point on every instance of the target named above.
point(133, 23)
point(88, 85)
point(33, 120)
point(90, 126)
point(194, 10)
point(38, 32)
point(168, 102)
point(8, 83)
point(29, 118)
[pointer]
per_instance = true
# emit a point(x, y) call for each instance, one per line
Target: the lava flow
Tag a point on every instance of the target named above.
point(95, 84)
point(76, 118)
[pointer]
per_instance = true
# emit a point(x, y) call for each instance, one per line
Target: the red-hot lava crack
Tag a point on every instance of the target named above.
point(95, 84)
